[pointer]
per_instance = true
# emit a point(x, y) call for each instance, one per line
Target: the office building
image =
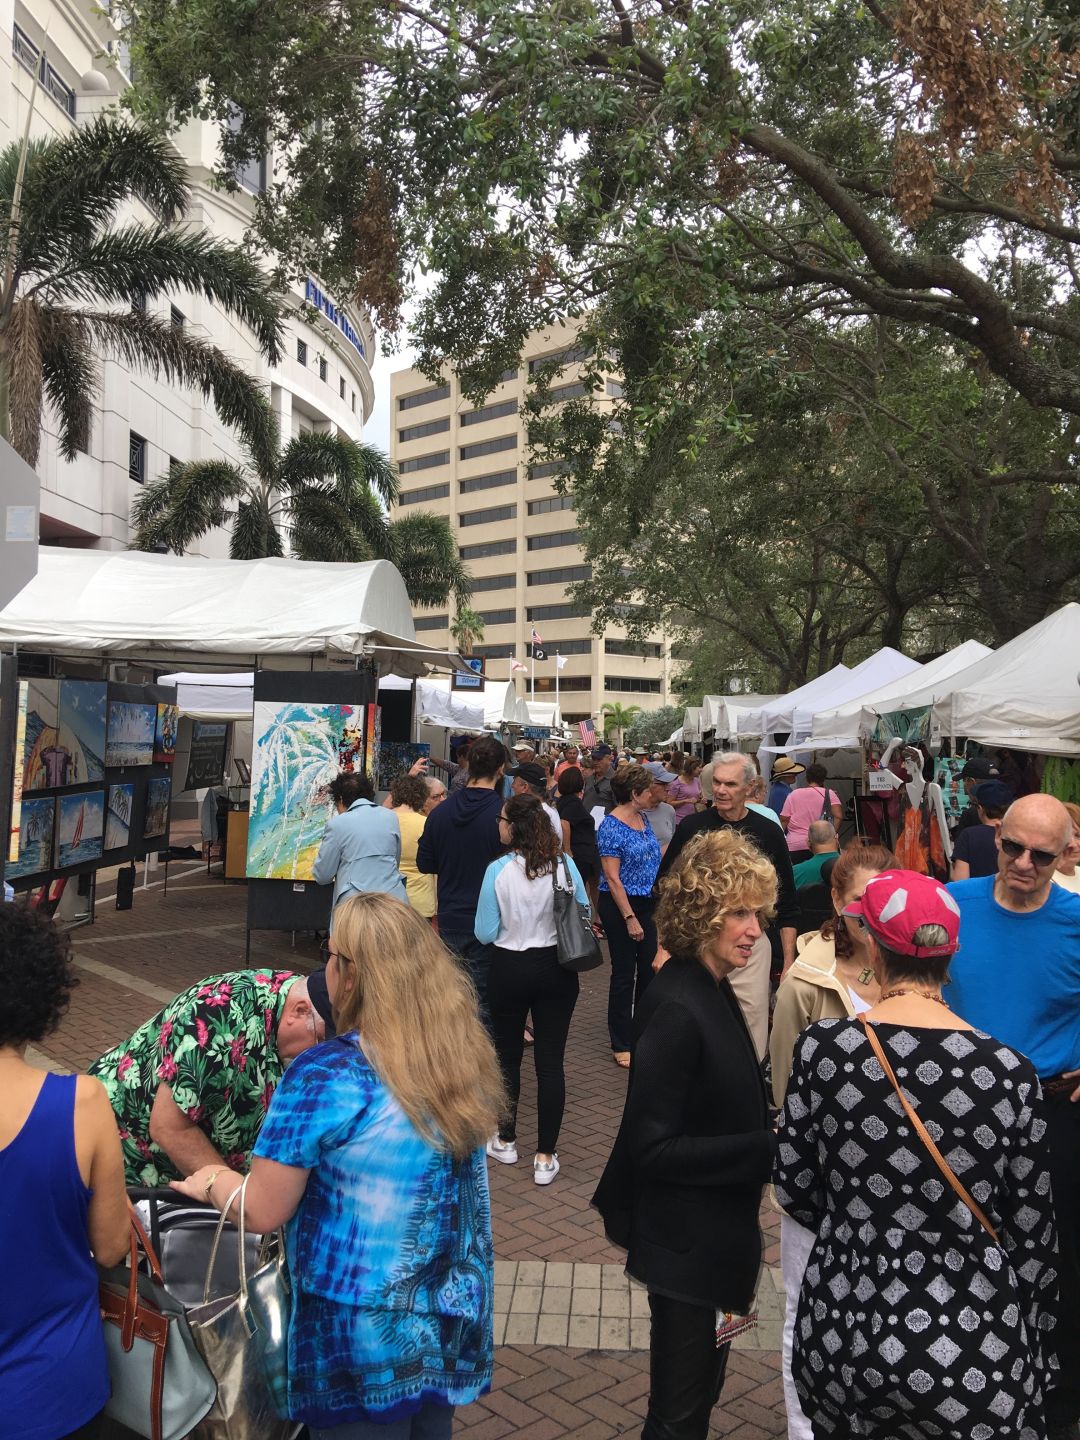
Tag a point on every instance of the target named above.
point(517, 535)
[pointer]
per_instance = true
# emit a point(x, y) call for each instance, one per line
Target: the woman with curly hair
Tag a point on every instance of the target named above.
point(682, 1188)
point(62, 1200)
point(517, 914)
point(371, 1155)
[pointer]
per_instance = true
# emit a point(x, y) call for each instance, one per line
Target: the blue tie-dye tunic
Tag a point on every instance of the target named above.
point(390, 1250)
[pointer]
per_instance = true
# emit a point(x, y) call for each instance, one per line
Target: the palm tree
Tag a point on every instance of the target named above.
point(466, 629)
point(618, 719)
point(323, 494)
point(75, 283)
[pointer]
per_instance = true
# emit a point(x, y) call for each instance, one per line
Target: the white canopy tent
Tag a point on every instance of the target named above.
point(845, 727)
point(164, 608)
point(777, 715)
point(887, 666)
point(723, 714)
point(693, 724)
point(212, 697)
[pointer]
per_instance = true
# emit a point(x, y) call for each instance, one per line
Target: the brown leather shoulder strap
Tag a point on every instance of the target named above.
point(924, 1134)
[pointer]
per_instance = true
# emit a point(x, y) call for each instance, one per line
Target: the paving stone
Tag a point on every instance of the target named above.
point(555, 1300)
point(584, 1331)
point(552, 1329)
point(615, 1302)
point(585, 1302)
point(520, 1329)
point(614, 1333)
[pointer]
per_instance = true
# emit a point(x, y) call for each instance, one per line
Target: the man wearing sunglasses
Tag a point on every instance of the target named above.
point(1017, 976)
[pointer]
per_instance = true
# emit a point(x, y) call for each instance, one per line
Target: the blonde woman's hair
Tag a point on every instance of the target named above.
point(416, 1012)
point(718, 872)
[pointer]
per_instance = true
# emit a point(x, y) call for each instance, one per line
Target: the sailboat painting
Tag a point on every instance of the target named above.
point(80, 823)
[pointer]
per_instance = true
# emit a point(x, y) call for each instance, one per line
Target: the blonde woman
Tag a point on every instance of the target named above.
point(409, 796)
point(682, 1188)
point(372, 1154)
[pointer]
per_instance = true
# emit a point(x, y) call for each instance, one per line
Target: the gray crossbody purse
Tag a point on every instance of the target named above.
point(576, 946)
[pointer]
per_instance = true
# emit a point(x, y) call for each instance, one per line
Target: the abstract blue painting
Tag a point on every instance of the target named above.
point(82, 729)
point(131, 734)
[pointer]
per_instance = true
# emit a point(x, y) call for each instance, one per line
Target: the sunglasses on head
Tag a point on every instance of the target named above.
point(1042, 858)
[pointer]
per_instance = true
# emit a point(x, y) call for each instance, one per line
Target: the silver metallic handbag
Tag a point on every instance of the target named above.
point(244, 1340)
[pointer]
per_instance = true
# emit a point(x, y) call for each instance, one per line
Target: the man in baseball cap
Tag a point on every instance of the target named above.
point(975, 771)
point(598, 783)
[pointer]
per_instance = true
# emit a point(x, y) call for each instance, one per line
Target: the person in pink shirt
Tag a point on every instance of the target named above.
point(684, 792)
point(812, 801)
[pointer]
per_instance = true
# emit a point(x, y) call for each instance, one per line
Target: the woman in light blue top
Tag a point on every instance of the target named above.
point(372, 1152)
point(517, 914)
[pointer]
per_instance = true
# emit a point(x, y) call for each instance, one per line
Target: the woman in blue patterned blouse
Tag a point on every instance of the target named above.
point(372, 1151)
point(630, 858)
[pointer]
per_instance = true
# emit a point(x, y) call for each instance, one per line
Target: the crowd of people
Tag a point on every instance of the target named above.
point(898, 1055)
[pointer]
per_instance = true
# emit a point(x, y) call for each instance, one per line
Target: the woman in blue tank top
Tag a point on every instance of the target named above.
point(62, 1202)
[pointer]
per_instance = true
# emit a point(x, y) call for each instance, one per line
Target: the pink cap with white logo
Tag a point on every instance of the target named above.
point(895, 904)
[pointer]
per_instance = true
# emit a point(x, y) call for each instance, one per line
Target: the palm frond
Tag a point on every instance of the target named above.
point(179, 508)
point(145, 343)
point(423, 548)
point(321, 529)
point(74, 185)
point(254, 535)
point(146, 260)
point(21, 357)
point(317, 457)
point(69, 376)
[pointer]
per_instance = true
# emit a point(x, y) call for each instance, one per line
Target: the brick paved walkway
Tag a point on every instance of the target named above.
point(571, 1336)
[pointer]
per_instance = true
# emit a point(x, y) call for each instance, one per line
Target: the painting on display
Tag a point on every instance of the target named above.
point(131, 734)
point(17, 777)
point(165, 728)
point(118, 817)
point(157, 808)
point(372, 741)
point(397, 757)
point(83, 705)
point(33, 842)
point(206, 759)
point(80, 824)
point(45, 766)
point(298, 749)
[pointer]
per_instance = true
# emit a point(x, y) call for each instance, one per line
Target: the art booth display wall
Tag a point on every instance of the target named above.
point(91, 776)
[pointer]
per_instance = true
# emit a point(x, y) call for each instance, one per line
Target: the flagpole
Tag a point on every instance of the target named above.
point(532, 672)
point(556, 679)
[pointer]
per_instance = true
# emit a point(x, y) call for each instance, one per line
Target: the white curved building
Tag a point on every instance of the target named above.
point(140, 426)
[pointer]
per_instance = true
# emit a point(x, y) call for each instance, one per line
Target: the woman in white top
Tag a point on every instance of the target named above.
point(1067, 873)
point(516, 913)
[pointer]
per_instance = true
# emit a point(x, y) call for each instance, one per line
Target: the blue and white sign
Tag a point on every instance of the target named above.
point(475, 681)
point(314, 296)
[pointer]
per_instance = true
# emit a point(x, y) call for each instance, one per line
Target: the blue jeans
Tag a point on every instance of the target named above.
point(430, 1422)
point(476, 957)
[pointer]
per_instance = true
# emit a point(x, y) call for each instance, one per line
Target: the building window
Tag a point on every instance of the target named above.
point(431, 622)
point(631, 684)
point(488, 447)
point(30, 58)
point(559, 358)
point(426, 492)
point(614, 388)
point(341, 386)
point(545, 684)
point(353, 395)
point(488, 482)
point(323, 369)
point(555, 612)
point(174, 464)
point(505, 651)
point(493, 582)
point(136, 458)
point(574, 647)
point(498, 617)
point(417, 432)
point(633, 647)
point(552, 541)
point(488, 547)
point(567, 392)
point(251, 174)
point(489, 412)
point(301, 351)
point(488, 516)
point(82, 440)
point(563, 575)
point(549, 467)
point(176, 318)
point(549, 505)
point(423, 397)
point(569, 719)
point(425, 462)
point(138, 303)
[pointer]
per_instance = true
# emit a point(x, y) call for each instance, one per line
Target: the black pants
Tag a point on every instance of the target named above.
point(631, 964)
point(90, 1431)
point(520, 981)
point(686, 1370)
point(476, 958)
point(1063, 1135)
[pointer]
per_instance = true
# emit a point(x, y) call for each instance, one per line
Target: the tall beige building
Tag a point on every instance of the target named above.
point(517, 536)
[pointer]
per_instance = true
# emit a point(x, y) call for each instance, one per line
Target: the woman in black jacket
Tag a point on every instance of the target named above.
point(682, 1188)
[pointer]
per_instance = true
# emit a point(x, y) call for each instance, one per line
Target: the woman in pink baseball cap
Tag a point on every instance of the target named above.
point(912, 1145)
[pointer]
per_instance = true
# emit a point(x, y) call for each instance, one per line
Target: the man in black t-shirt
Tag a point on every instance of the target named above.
point(733, 774)
point(975, 853)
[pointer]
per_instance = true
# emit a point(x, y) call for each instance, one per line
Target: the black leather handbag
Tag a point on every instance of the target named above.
point(576, 946)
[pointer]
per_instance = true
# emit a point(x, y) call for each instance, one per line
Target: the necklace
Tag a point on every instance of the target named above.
point(889, 994)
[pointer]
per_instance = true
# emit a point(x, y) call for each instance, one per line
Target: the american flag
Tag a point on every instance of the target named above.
point(536, 637)
point(587, 733)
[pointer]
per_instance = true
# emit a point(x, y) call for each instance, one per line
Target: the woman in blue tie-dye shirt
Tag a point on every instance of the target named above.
point(372, 1151)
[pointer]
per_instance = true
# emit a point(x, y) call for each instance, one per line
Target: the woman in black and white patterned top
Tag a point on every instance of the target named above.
point(913, 1320)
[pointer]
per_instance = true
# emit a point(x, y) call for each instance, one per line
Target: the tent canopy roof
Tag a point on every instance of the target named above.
point(856, 718)
point(777, 714)
point(887, 665)
point(162, 607)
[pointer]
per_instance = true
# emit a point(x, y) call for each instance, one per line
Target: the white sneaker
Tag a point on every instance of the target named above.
point(505, 1151)
point(544, 1171)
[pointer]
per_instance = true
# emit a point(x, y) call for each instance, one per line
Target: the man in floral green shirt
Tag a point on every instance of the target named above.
point(192, 1085)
